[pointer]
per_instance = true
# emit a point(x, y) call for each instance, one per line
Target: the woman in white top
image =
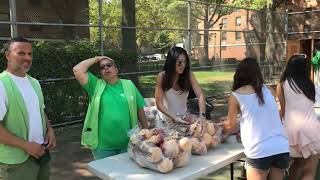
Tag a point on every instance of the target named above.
point(296, 94)
point(172, 88)
point(262, 134)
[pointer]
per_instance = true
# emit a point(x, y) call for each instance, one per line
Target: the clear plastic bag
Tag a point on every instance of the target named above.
point(198, 147)
point(163, 165)
point(182, 160)
point(158, 149)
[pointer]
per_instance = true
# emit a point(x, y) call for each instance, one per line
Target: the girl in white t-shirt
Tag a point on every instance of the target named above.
point(262, 134)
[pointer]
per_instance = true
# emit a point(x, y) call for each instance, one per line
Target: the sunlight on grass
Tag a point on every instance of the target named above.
point(211, 82)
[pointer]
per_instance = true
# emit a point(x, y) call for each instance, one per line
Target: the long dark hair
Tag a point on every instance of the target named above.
point(248, 73)
point(170, 70)
point(298, 76)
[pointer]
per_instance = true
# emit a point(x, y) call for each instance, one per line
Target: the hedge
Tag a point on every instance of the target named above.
point(52, 65)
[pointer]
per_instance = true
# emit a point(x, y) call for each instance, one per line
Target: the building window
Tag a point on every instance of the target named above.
point(238, 35)
point(224, 36)
point(224, 22)
point(238, 21)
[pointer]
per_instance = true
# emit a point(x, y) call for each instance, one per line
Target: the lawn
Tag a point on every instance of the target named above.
point(211, 82)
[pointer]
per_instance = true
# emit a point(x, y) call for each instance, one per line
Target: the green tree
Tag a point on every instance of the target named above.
point(160, 14)
point(162, 42)
point(111, 16)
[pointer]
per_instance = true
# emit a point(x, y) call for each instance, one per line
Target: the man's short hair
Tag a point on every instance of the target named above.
point(7, 45)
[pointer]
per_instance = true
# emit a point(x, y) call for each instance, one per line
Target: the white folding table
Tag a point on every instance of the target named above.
point(122, 167)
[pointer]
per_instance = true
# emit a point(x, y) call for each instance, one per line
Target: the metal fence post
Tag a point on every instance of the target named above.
point(189, 29)
point(286, 29)
point(101, 28)
point(13, 18)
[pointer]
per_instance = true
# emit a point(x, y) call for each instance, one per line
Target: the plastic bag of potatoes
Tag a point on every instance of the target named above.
point(204, 135)
point(156, 150)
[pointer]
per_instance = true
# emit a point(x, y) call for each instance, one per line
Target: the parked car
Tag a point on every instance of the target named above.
point(151, 57)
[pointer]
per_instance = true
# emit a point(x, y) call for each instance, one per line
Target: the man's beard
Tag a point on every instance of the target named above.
point(19, 67)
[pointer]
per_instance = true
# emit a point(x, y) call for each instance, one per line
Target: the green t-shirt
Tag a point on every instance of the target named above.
point(114, 116)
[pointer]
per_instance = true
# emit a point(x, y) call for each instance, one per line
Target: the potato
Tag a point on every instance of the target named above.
point(157, 139)
point(170, 148)
point(165, 166)
point(134, 139)
point(194, 143)
point(145, 134)
point(185, 144)
point(210, 128)
point(201, 149)
point(182, 160)
point(196, 129)
point(155, 154)
point(207, 139)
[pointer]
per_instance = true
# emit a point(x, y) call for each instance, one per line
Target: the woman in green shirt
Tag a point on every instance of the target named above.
point(115, 107)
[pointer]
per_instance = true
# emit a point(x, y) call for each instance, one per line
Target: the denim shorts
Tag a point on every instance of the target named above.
point(280, 161)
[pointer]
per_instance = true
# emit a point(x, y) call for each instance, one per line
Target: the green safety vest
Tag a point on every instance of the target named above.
point(90, 128)
point(16, 119)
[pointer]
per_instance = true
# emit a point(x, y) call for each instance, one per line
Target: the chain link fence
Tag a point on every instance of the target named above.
point(216, 37)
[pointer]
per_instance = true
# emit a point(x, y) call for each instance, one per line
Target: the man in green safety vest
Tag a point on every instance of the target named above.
point(25, 133)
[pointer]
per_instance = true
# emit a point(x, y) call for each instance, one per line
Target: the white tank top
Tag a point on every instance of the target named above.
point(175, 102)
point(262, 133)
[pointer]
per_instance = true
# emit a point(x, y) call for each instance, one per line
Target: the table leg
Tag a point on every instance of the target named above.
point(231, 171)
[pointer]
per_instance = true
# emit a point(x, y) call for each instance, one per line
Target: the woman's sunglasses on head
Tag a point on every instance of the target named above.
point(181, 63)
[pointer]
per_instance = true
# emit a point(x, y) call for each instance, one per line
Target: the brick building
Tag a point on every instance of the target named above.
point(239, 36)
point(243, 33)
point(303, 27)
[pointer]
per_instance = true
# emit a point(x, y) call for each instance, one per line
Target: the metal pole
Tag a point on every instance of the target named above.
point(220, 58)
point(101, 28)
point(214, 46)
point(231, 171)
point(286, 29)
point(189, 28)
point(13, 18)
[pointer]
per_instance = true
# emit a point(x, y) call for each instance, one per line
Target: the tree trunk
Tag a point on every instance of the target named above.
point(129, 45)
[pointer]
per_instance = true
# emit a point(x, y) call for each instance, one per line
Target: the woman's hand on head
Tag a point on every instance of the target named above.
point(100, 58)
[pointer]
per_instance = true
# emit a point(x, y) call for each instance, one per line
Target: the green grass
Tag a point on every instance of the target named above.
point(211, 82)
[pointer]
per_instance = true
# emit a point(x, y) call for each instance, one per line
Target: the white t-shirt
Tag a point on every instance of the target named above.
point(262, 133)
point(32, 104)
